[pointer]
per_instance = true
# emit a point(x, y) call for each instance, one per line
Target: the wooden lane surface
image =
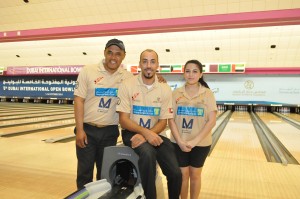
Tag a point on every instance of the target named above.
point(227, 178)
point(8, 110)
point(35, 119)
point(4, 107)
point(28, 107)
point(293, 116)
point(11, 130)
point(8, 104)
point(239, 170)
point(36, 114)
point(239, 140)
point(25, 112)
point(288, 135)
point(53, 133)
point(32, 169)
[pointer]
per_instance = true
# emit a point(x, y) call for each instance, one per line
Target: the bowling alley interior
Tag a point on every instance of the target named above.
point(250, 52)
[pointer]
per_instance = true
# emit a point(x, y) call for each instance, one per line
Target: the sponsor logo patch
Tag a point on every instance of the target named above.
point(146, 110)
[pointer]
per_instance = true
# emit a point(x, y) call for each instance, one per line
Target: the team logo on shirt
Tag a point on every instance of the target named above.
point(157, 100)
point(187, 124)
point(107, 95)
point(146, 110)
point(190, 111)
point(104, 104)
point(135, 95)
point(96, 81)
point(177, 100)
point(145, 124)
point(108, 92)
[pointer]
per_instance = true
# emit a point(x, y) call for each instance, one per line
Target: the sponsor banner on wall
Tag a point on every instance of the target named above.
point(38, 87)
point(43, 70)
point(245, 89)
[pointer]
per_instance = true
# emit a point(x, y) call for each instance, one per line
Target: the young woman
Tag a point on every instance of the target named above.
point(195, 110)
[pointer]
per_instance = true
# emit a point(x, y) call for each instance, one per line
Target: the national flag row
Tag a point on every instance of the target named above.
point(224, 68)
point(162, 69)
point(207, 68)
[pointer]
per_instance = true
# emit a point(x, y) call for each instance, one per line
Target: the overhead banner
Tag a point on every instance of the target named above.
point(43, 70)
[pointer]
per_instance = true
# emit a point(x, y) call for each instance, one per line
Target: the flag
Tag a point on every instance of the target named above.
point(165, 68)
point(177, 68)
point(224, 68)
point(133, 69)
point(205, 69)
point(213, 68)
point(239, 68)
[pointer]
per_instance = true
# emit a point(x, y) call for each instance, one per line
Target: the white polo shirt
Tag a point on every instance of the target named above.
point(99, 89)
point(146, 106)
point(191, 113)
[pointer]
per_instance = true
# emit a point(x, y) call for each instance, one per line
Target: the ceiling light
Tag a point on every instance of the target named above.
point(167, 50)
point(84, 53)
point(217, 48)
point(17, 55)
point(26, 1)
point(49, 55)
point(273, 46)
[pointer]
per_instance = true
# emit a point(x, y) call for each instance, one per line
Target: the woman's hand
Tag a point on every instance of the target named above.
point(184, 146)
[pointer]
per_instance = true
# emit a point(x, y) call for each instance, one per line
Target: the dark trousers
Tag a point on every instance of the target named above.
point(148, 156)
point(98, 139)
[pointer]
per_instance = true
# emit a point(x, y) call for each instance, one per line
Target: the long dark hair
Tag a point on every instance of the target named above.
point(194, 61)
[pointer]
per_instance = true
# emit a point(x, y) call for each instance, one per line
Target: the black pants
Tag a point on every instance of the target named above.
point(98, 139)
point(165, 156)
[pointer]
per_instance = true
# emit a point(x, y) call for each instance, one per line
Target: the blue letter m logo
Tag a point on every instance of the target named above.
point(186, 125)
point(103, 104)
point(145, 125)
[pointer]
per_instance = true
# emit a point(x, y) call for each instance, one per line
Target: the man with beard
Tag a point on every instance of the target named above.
point(145, 106)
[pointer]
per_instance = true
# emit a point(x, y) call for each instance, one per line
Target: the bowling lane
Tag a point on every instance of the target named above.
point(288, 135)
point(25, 113)
point(239, 140)
point(293, 116)
point(7, 109)
point(7, 106)
point(54, 133)
point(36, 119)
point(28, 127)
point(36, 114)
point(30, 168)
